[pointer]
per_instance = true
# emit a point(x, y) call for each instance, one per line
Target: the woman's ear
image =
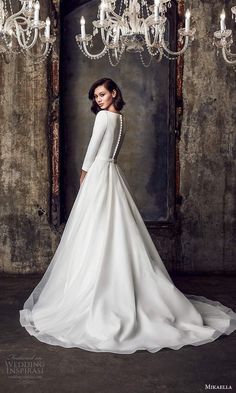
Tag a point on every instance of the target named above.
point(114, 93)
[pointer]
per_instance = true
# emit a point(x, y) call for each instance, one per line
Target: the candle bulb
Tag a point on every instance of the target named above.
point(102, 12)
point(130, 5)
point(116, 35)
point(47, 28)
point(36, 11)
point(10, 34)
point(222, 21)
point(187, 20)
point(156, 10)
point(82, 25)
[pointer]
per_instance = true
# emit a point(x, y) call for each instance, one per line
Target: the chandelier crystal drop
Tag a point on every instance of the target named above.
point(23, 32)
point(133, 26)
point(223, 38)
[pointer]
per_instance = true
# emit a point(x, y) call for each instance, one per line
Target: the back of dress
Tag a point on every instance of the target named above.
point(107, 138)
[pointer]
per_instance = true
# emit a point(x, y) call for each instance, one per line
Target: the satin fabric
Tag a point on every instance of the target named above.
point(106, 288)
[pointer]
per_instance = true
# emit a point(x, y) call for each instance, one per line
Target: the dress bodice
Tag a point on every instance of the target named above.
point(107, 138)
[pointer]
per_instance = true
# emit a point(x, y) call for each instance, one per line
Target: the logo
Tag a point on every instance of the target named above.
point(24, 367)
point(218, 387)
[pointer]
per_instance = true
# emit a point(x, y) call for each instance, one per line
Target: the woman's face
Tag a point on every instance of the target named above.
point(103, 97)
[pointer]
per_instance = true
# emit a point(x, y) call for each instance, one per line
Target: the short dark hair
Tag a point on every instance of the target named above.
point(110, 85)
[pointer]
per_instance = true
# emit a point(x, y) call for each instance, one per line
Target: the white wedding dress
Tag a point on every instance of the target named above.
point(106, 288)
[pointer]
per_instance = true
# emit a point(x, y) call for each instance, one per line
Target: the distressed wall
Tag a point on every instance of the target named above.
point(208, 149)
point(27, 241)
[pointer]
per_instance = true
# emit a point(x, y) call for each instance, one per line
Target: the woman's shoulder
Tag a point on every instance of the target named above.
point(105, 112)
point(101, 119)
point(101, 114)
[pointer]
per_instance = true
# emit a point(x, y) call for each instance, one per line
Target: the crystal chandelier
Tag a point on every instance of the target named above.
point(20, 31)
point(223, 38)
point(133, 26)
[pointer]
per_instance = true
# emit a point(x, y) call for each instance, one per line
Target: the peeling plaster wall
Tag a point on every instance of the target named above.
point(208, 149)
point(27, 241)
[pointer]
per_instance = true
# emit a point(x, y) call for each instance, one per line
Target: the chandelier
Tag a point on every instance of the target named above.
point(223, 38)
point(133, 26)
point(23, 31)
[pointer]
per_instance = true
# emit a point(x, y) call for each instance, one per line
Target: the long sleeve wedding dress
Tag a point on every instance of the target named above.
point(106, 288)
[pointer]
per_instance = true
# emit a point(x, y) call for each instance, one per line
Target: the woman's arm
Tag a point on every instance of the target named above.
point(99, 129)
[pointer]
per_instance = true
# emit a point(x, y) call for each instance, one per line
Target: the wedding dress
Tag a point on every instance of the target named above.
point(106, 288)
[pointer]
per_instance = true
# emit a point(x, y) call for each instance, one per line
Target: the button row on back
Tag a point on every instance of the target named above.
point(118, 141)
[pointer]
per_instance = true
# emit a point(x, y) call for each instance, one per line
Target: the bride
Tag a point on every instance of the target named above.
point(106, 288)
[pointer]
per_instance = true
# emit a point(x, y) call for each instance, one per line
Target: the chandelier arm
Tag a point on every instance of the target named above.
point(180, 52)
point(13, 16)
point(116, 16)
point(118, 58)
point(230, 54)
point(9, 44)
point(18, 35)
point(23, 42)
point(229, 61)
point(37, 57)
point(116, 55)
point(21, 24)
point(19, 32)
point(147, 36)
point(36, 34)
point(122, 49)
point(94, 56)
point(159, 58)
point(105, 40)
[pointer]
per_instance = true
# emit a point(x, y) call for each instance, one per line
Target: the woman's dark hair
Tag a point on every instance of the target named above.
point(110, 85)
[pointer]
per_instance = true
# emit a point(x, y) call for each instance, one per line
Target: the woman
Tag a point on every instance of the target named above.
point(106, 288)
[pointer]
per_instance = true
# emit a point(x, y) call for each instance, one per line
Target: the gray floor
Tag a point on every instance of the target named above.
point(74, 370)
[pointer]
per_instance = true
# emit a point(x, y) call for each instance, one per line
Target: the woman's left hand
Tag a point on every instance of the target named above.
point(82, 175)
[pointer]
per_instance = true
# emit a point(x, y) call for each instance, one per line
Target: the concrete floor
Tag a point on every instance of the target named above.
point(75, 370)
